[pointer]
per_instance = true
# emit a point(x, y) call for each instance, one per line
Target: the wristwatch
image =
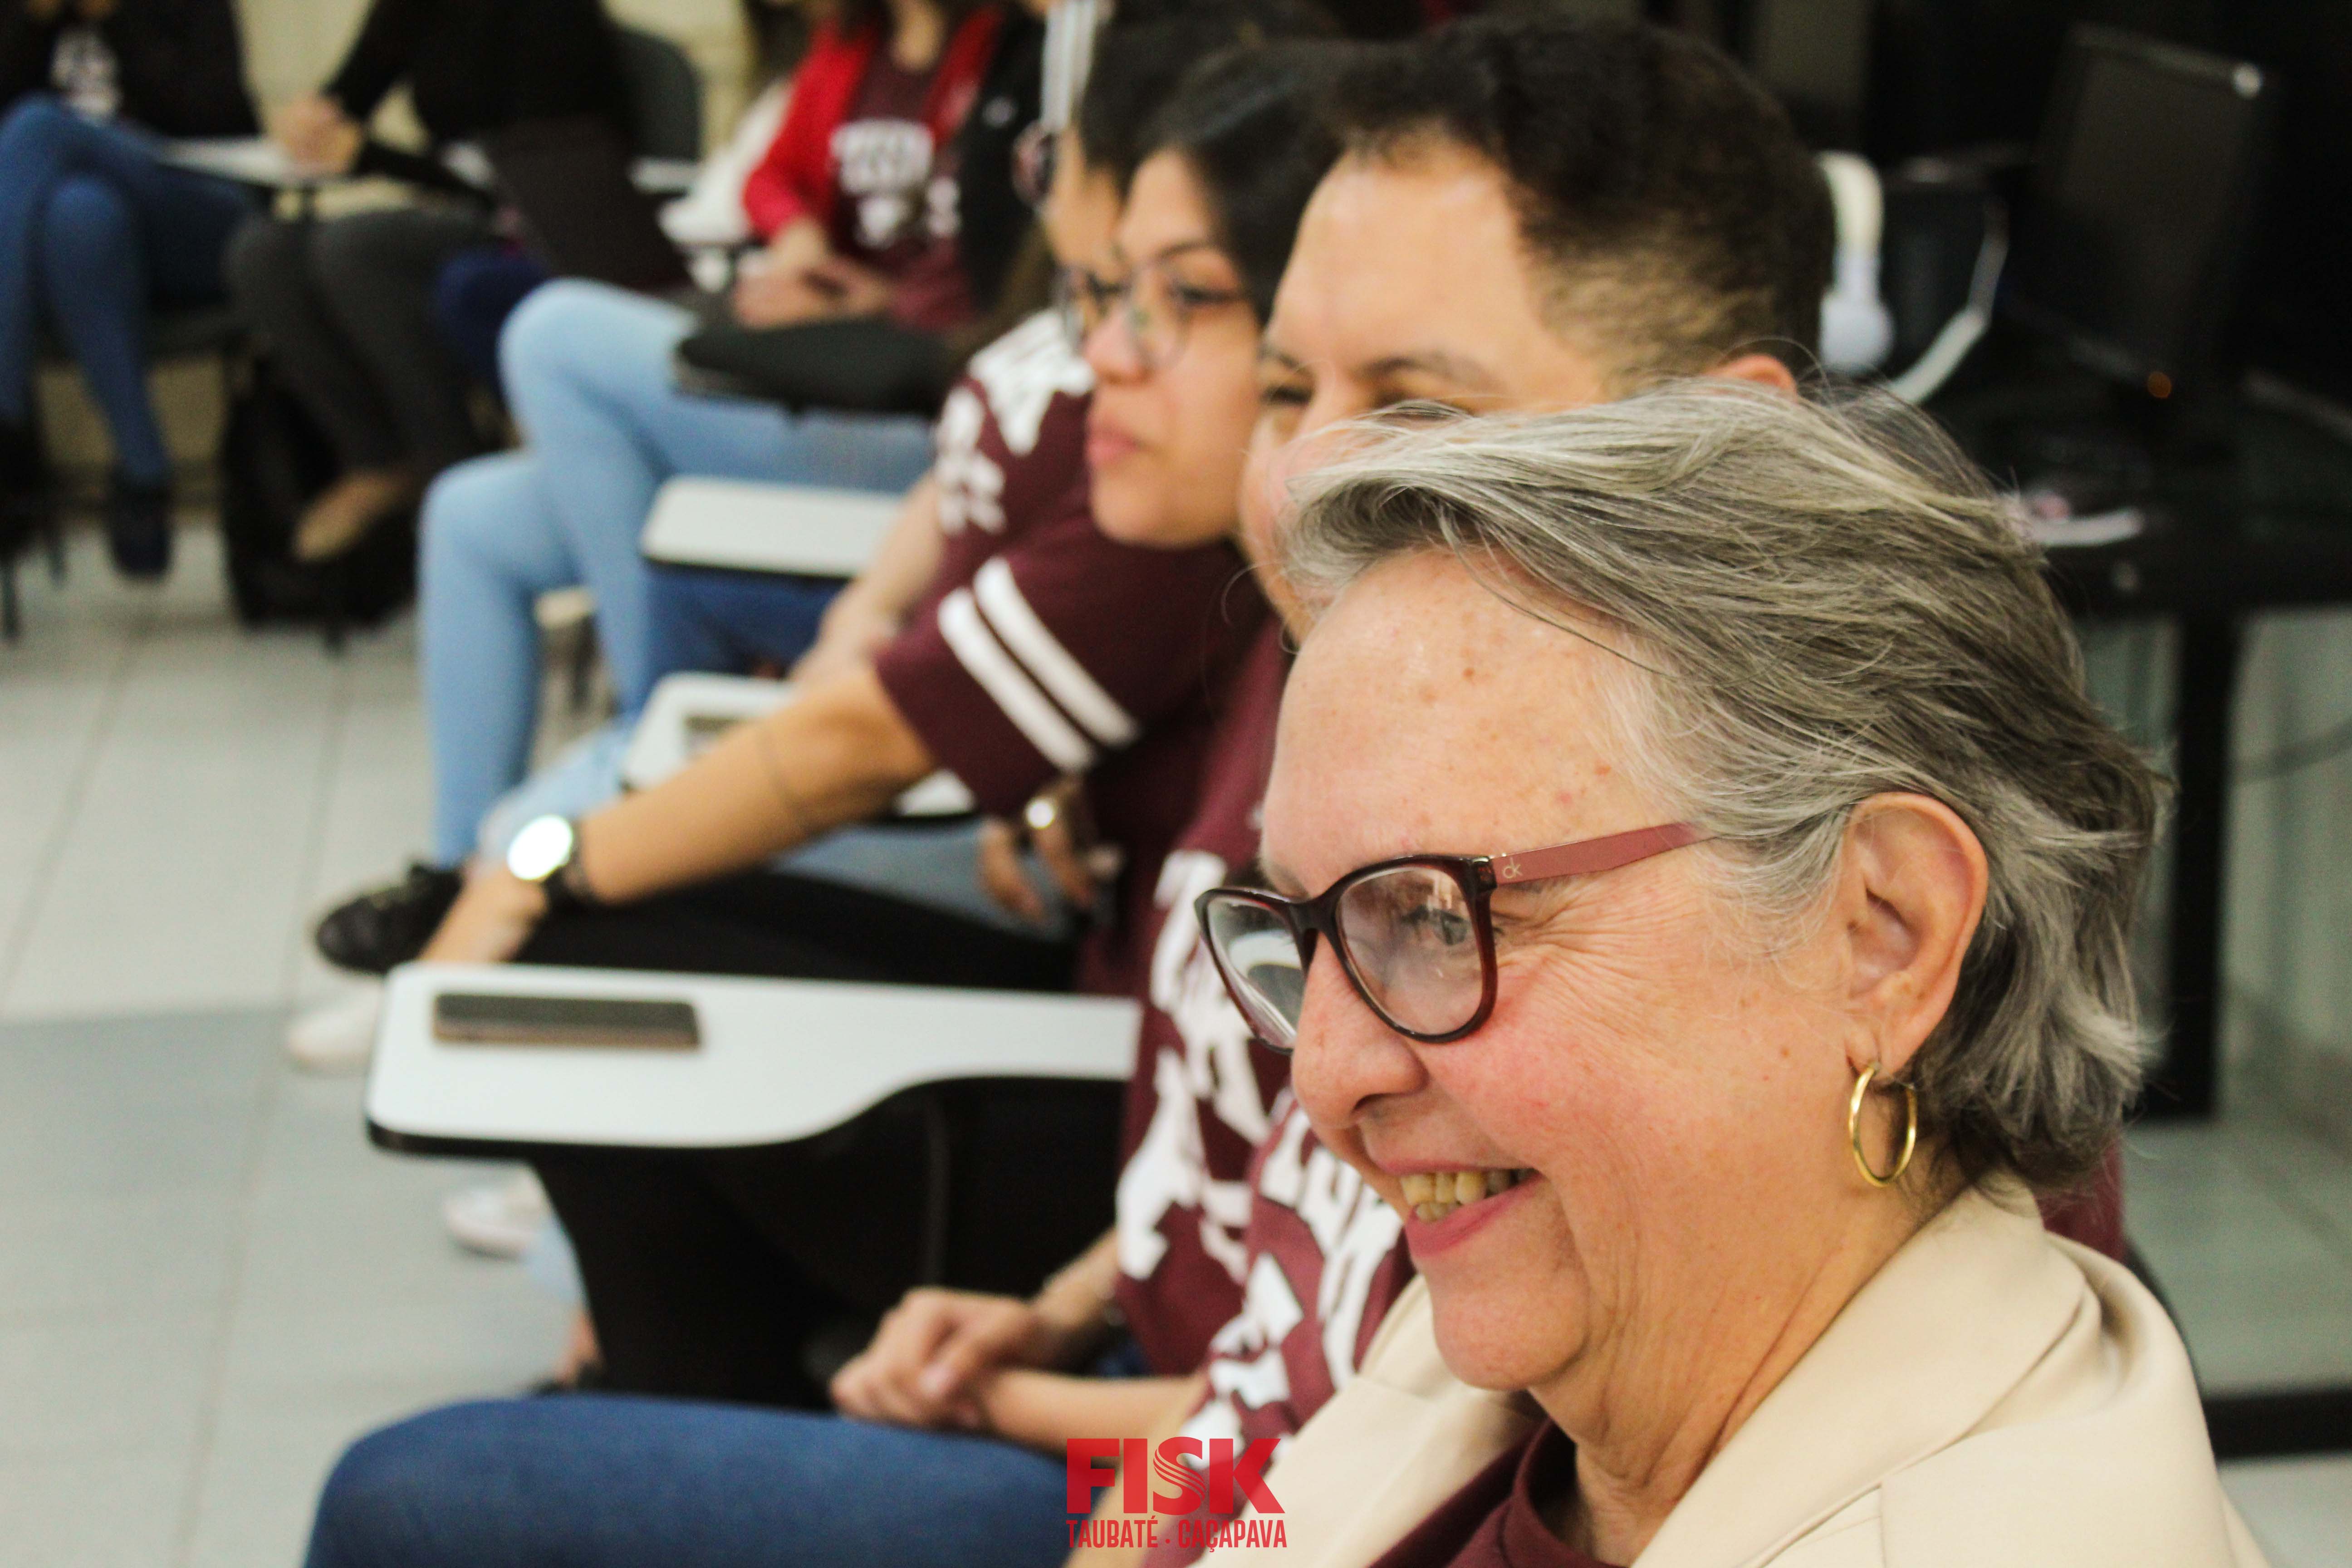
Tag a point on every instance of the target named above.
point(547, 851)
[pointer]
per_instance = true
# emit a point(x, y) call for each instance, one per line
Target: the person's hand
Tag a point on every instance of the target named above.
point(97, 11)
point(934, 1350)
point(767, 296)
point(317, 134)
point(854, 288)
point(777, 286)
point(1058, 825)
point(492, 918)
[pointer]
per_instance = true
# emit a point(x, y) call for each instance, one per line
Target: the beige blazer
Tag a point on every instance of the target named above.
point(1993, 1398)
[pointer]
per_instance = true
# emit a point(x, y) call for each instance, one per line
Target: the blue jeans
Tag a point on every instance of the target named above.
point(94, 229)
point(473, 296)
point(601, 1481)
point(587, 371)
point(731, 622)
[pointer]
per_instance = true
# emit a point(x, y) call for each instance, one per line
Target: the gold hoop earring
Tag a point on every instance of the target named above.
point(1862, 1083)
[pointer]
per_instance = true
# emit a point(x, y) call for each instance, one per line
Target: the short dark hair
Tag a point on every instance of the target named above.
point(1254, 125)
point(1144, 51)
point(1664, 194)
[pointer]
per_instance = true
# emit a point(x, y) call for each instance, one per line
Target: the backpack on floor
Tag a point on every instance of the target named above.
point(273, 459)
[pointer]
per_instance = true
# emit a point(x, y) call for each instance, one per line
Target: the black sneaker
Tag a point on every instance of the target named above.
point(139, 529)
point(391, 924)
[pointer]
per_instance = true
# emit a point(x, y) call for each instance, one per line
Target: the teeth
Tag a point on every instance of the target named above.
point(1432, 1195)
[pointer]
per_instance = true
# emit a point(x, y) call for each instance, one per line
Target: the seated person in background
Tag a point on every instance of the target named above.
point(476, 289)
point(588, 372)
point(94, 232)
point(344, 303)
point(1727, 887)
point(597, 1480)
point(1010, 486)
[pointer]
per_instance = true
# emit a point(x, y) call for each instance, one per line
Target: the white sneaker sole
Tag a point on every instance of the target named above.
point(337, 1036)
point(496, 1219)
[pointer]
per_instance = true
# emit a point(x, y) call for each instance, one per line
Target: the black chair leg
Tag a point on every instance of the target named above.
point(10, 625)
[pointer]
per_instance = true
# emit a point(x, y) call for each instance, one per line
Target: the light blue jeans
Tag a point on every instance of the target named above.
point(587, 371)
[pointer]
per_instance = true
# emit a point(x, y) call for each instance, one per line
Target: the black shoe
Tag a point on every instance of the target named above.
point(390, 925)
point(23, 484)
point(139, 529)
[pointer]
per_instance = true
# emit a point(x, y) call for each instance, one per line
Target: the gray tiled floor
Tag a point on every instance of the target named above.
point(209, 1282)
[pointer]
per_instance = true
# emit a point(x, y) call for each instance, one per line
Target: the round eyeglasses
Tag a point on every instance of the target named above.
point(1415, 935)
point(1153, 305)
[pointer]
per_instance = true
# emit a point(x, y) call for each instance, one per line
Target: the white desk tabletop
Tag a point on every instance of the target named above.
point(780, 1060)
point(801, 528)
point(247, 159)
point(258, 161)
point(690, 709)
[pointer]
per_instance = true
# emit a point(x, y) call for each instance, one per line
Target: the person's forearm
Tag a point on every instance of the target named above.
point(1043, 1410)
point(836, 753)
point(908, 557)
point(1077, 1300)
point(1166, 1422)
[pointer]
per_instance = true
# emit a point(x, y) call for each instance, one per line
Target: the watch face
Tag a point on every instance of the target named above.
point(544, 844)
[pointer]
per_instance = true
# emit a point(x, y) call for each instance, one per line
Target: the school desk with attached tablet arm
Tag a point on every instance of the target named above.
point(803, 531)
point(771, 1062)
point(777, 1061)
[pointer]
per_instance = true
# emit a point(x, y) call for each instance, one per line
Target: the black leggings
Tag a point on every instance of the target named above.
point(716, 1274)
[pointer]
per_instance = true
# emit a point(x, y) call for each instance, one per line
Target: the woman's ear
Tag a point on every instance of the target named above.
point(1764, 370)
point(1909, 895)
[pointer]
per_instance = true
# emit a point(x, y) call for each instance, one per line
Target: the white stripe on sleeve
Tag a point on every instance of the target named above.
point(1045, 657)
point(1000, 677)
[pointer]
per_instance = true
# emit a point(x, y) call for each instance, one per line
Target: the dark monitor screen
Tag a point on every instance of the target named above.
point(2141, 199)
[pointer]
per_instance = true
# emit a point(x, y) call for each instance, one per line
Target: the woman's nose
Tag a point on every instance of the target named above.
point(1112, 352)
point(1344, 1059)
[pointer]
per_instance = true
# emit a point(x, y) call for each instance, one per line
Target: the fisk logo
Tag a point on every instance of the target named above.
point(1187, 1493)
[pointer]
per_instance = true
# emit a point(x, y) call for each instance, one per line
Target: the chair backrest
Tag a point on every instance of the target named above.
point(665, 96)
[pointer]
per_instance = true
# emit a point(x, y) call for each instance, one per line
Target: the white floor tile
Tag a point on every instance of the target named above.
point(188, 855)
point(116, 1508)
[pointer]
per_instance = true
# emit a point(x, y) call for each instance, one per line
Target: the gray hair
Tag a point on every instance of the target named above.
point(1818, 601)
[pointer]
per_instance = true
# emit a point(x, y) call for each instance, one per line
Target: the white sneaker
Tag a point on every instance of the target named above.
point(500, 1219)
point(336, 1036)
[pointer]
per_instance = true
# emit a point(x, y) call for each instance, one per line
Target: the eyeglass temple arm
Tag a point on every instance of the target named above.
point(1591, 855)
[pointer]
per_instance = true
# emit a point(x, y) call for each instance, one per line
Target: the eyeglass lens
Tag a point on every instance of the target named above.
point(1150, 309)
point(1413, 944)
point(1261, 964)
point(1409, 935)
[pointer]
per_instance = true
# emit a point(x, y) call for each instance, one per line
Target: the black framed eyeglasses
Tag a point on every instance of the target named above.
point(1415, 935)
point(1154, 306)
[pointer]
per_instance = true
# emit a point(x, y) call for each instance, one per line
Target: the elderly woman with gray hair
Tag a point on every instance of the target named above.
point(1721, 885)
